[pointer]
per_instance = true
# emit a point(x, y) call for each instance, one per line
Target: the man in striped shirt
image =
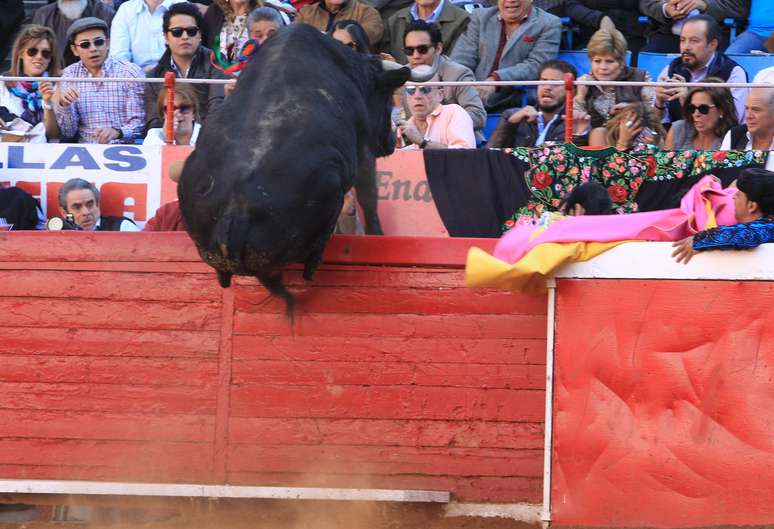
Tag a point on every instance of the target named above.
point(94, 112)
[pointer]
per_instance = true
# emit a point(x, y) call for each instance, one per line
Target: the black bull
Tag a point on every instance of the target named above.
point(266, 182)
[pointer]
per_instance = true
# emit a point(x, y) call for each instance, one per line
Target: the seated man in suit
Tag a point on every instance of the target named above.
point(79, 198)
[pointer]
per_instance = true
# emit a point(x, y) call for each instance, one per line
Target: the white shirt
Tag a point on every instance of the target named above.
point(159, 137)
point(738, 75)
point(137, 35)
point(726, 146)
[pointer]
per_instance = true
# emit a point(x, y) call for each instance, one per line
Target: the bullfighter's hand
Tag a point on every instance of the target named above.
point(684, 250)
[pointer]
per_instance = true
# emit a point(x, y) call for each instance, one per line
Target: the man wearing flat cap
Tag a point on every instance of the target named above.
point(94, 112)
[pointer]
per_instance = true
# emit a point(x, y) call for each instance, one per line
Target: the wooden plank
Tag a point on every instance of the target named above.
point(124, 343)
point(497, 351)
point(109, 285)
point(460, 375)
point(123, 371)
point(387, 402)
point(58, 424)
point(138, 472)
point(106, 398)
point(397, 325)
point(23, 312)
point(386, 460)
point(381, 432)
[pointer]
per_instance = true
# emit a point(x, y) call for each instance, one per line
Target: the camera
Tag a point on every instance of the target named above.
point(61, 224)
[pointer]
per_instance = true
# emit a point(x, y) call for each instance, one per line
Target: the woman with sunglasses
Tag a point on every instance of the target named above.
point(351, 34)
point(34, 55)
point(709, 113)
point(185, 115)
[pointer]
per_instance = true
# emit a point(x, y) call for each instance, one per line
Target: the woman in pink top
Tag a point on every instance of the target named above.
point(433, 125)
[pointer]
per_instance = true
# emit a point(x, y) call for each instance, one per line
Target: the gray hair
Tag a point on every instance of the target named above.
point(72, 185)
point(264, 14)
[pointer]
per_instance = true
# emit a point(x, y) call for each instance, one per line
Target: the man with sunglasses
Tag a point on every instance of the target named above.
point(136, 31)
point(98, 112)
point(188, 59)
point(61, 14)
point(421, 44)
point(433, 125)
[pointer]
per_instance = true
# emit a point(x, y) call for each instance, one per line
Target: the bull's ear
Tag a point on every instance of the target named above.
point(389, 80)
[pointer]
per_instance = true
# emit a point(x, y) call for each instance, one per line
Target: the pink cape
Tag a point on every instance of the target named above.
point(706, 205)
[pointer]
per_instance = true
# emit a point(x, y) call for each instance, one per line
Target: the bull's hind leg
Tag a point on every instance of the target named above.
point(367, 194)
point(273, 283)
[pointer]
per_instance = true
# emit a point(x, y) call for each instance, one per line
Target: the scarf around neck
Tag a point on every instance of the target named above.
point(32, 101)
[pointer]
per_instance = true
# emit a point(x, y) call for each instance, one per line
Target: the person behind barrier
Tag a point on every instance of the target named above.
point(351, 34)
point(433, 125)
point(60, 15)
point(607, 53)
point(758, 130)
point(188, 59)
point(709, 114)
point(79, 198)
point(530, 126)
point(226, 30)
point(634, 125)
point(34, 54)
point(699, 58)
point(263, 22)
point(19, 210)
point(136, 32)
point(450, 20)
point(507, 43)
point(186, 125)
point(760, 26)
point(590, 198)
point(590, 16)
point(98, 112)
point(325, 13)
point(422, 44)
point(754, 209)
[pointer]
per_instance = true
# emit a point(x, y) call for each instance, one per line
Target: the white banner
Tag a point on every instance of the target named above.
point(128, 176)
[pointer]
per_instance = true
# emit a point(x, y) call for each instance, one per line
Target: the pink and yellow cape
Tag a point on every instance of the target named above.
point(526, 254)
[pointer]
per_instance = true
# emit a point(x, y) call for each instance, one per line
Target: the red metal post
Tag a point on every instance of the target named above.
point(169, 84)
point(569, 86)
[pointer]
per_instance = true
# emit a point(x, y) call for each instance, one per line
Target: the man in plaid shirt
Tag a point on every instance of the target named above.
point(99, 112)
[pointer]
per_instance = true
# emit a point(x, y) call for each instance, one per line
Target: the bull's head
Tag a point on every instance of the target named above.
point(390, 77)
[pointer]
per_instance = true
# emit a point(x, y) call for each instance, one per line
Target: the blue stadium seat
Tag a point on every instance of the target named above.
point(489, 126)
point(580, 59)
point(753, 62)
point(654, 62)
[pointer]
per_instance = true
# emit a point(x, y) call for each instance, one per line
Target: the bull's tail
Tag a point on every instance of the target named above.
point(273, 283)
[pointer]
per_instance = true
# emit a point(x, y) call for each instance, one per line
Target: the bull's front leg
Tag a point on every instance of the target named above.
point(367, 194)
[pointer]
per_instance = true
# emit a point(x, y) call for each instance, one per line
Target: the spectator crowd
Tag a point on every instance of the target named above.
point(510, 40)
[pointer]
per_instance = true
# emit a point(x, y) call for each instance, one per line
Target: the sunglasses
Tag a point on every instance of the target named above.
point(86, 44)
point(424, 90)
point(178, 32)
point(422, 49)
point(703, 109)
point(33, 52)
point(184, 109)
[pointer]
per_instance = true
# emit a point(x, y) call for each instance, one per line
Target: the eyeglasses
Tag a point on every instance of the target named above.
point(33, 52)
point(703, 109)
point(184, 109)
point(424, 90)
point(178, 32)
point(86, 44)
point(422, 49)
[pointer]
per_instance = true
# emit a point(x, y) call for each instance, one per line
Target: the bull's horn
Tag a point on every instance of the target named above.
point(423, 73)
point(390, 65)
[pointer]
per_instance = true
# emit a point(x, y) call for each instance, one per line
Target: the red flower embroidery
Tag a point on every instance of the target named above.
point(650, 163)
point(542, 180)
point(719, 156)
point(527, 38)
point(617, 193)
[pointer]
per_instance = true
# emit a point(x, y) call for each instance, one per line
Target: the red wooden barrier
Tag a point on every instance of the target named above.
point(122, 360)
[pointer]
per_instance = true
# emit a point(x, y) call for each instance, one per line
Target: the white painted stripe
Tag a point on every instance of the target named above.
point(548, 427)
point(19, 486)
point(653, 260)
point(521, 512)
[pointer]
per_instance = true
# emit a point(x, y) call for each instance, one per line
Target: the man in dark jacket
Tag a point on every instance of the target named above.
point(529, 126)
point(10, 21)
point(59, 16)
point(186, 57)
point(624, 14)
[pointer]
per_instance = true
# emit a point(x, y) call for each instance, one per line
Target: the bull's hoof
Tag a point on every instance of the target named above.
point(224, 278)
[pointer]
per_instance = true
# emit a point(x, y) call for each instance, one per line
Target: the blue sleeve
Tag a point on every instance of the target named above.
point(736, 237)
